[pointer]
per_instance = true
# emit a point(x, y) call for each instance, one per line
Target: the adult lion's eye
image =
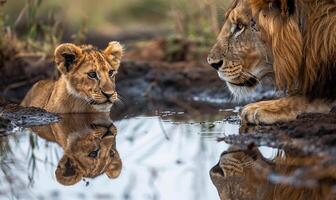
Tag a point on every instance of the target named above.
point(92, 75)
point(111, 72)
point(237, 29)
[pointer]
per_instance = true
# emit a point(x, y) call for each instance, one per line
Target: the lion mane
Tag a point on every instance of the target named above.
point(302, 37)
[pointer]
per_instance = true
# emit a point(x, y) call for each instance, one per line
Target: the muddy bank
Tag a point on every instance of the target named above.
point(312, 133)
point(20, 73)
point(165, 82)
point(12, 116)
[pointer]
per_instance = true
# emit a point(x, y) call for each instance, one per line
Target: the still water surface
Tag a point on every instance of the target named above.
point(166, 156)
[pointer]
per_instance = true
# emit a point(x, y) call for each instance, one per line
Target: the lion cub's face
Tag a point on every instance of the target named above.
point(90, 73)
point(239, 55)
point(89, 144)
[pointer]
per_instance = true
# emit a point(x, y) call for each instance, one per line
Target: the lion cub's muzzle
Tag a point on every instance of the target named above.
point(110, 97)
point(102, 98)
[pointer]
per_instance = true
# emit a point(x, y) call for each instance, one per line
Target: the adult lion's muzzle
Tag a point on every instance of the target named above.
point(215, 63)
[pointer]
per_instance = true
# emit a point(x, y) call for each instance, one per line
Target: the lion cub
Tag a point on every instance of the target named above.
point(86, 84)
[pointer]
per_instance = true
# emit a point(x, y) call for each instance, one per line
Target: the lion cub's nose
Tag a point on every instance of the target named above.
point(216, 64)
point(107, 95)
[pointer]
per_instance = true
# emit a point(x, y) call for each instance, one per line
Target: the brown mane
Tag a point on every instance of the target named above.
point(302, 38)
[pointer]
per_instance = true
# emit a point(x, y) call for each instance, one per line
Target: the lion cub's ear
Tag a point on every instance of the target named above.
point(114, 51)
point(67, 55)
point(114, 169)
point(68, 172)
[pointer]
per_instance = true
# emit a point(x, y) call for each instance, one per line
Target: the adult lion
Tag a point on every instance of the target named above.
point(87, 82)
point(294, 40)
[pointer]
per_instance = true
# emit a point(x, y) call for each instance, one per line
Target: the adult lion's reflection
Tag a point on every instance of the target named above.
point(243, 173)
point(89, 144)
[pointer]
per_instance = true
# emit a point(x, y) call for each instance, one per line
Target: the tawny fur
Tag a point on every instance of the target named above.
point(75, 91)
point(295, 40)
point(243, 174)
point(78, 135)
point(303, 43)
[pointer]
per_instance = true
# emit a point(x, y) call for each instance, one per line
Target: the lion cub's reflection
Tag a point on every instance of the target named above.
point(89, 144)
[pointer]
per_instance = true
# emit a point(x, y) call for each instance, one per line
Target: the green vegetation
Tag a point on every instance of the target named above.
point(197, 18)
point(5, 50)
point(2, 2)
point(40, 24)
point(34, 36)
point(32, 6)
point(188, 17)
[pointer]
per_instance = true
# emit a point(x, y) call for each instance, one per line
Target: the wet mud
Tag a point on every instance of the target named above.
point(12, 116)
point(312, 133)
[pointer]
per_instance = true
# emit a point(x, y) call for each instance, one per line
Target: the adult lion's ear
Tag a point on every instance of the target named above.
point(114, 169)
point(68, 172)
point(67, 55)
point(283, 7)
point(114, 51)
point(286, 7)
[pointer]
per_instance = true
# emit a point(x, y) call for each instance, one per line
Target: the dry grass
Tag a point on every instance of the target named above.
point(202, 19)
point(9, 45)
point(185, 17)
point(39, 24)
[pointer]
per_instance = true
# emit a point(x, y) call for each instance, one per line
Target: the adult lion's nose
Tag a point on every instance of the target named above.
point(216, 64)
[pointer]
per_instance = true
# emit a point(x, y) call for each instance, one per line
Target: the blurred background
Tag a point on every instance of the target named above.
point(52, 21)
point(164, 38)
point(164, 69)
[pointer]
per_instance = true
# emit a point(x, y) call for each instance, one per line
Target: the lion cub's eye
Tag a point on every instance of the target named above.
point(93, 154)
point(111, 72)
point(92, 75)
point(112, 153)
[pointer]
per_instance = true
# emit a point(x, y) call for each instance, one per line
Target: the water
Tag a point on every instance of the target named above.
point(162, 158)
point(156, 157)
